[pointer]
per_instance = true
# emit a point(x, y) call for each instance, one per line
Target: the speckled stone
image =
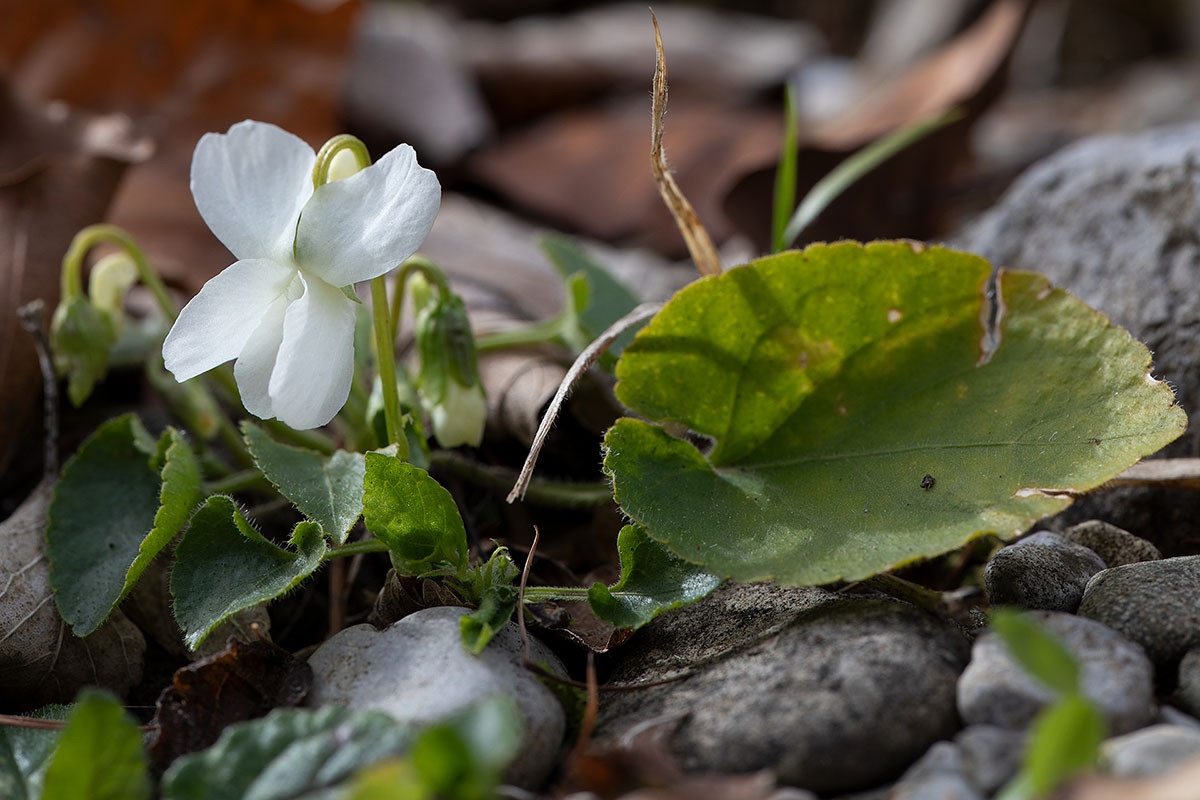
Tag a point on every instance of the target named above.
point(1150, 752)
point(418, 671)
point(1116, 675)
point(940, 773)
point(1116, 546)
point(1187, 694)
point(1044, 571)
point(1154, 603)
point(843, 696)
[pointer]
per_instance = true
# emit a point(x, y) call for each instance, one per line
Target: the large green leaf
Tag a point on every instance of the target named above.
point(289, 754)
point(413, 515)
point(25, 754)
point(99, 756)
point(327, 489)
point(862, 415)
point(223, 565)
point(653, 580)
point(119, 502)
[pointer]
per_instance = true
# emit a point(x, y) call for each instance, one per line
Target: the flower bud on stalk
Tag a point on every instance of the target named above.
point(449, 376)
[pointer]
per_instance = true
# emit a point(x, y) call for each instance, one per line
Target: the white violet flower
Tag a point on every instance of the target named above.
point(279, 309)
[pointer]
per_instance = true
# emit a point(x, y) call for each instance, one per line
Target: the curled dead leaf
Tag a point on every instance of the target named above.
point(41, 661)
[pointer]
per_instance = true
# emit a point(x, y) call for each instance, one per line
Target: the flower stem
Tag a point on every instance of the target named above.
point(355, 548)
point(89, 237)
point(540, 594)
point(537, 333)
point(562, 494)
point(238, 482)
point(385, 359)
point(416, 263)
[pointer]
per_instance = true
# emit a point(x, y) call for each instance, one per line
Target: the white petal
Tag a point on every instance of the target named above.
point(256, 362)
point(216, 324)
point(362, 226)
point(250, 185)
point(316, 359)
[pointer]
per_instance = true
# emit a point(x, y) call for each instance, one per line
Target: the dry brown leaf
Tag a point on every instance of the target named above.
point(1165, 473)
point(41, 661)
point(240, 682)
point(58, 172)
point(899, 198)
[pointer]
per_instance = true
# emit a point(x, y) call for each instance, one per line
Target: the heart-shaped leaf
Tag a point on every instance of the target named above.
point(327, 489)
point(223, 565)
point(865, 412)
point(121, 499)
point(413, 515)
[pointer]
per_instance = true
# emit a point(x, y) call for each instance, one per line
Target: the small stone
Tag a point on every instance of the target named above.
point(940, 773)
point(418, 671)
point(841, 698)
point(1150, 752)
point(1044, 571)
point(1154, 603)
point(991, 755)
point(1188, 692)
point(1170, 715)
point(1116, 675)
point(1116, 546)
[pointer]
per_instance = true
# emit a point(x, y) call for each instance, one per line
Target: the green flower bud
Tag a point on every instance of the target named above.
point(80, 338)
point(449, 376)
point(111, 278)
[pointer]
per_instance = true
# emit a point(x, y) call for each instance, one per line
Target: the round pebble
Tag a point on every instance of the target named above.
point(1154, 603)
point(1116, 546)
point(1044, 571)
point(1116, 675)
point(1151, 751)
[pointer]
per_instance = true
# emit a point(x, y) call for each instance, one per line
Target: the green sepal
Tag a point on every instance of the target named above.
point(80, 338)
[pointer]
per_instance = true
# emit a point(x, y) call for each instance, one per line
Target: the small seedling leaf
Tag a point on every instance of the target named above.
point(413, 515)
point(653, 580)
point(99, 756)
point(1039, 652)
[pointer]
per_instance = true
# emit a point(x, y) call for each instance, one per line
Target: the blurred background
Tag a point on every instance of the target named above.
point(535, 115)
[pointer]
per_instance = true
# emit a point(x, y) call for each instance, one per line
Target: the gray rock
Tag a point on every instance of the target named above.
point(1116, 546)
point(1187, 694)
point(1116, 675)
point(1113, 219)
point(939, 775)
point(1154, 603)
point(1169, 715)
point(1150, 752)
point(418, 671)
point(844, 694)
point(1043, 571)
point(991, 755)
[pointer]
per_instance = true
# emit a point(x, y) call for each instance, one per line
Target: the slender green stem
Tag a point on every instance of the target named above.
point(415, 263)
point(540, 594)
point(541, 492)
point(89, 237)
point(238, 482)
point(325, 156)
point(909, 592)
point(355, 548)
point(313, 440)
point(385, 358)
point(537, 333)
point(853, 168)
point(785, 174)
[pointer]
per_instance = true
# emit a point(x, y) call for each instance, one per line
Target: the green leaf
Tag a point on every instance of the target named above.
point(493, 587)
point(326, 489)
point(1064, 741)
point(290, 753)
point(602, 300)
point(653, 580)
point(25, 754)
point(1038, 651)
point(80, 337)
point(463, 758)
point(223, 565)
point(99, 756)
point(833, 380)
point(121, 499)
point(413, 515)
